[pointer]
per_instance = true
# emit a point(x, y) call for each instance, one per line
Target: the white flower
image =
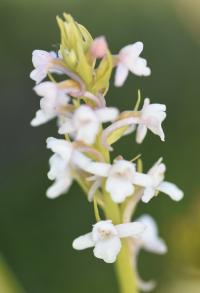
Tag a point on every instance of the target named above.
point(43, 63)
point(129, 60)
point(65, 158)
point(105, 238)
point(151, 242)
point(85, 123)
point(157, 175)
point(151, 117)
point(121, 177)
point(54, 99)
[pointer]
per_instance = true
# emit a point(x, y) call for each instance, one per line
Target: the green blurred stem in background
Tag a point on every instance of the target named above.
point(8, 282)
point(124, 269)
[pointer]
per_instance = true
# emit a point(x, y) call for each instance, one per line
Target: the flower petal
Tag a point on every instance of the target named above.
point(83, 242)
point(148, 194)
point(142, 179)
point(107, 114)
point(41, 117)
point(119, 188)
point(139, 67)
point(99, 169)
point(60, 186)
point(61, 147)
point(121, 74)
point(150, 240)
point(172, 190)
point(141, 133)
point(80, 160)
point(134, 229)
point(108, 249)
point(57, 166)
point(38, 74)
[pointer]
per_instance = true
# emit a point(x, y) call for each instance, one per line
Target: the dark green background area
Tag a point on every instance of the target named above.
point(36, 233)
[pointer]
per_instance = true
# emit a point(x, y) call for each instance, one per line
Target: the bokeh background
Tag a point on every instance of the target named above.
point(36, 233)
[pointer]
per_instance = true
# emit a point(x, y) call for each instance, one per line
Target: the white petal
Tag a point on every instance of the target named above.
point(107, 114)
point(148, 194)
point(99, 169)
point(108, 249)
point(155, 126)
point(38, 74)
point(41, 57)
point(57, 166)
point(121, 74)
point(141, 133)
point(130, 53)
point(119, 188)
point(134, 229)
point(46, 89)
point(66, 127)
point(80, 160)
point(41, 117)
point(142, 179)
point(60, 186)
point(172, 190)
point(86, 123)
point(61, 147)
point(146, 286)
point(139, 67)
point(87, 134)
point(83, 242)
point(150, 240)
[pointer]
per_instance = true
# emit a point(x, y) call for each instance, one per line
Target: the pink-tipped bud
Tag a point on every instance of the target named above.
point(99, 47)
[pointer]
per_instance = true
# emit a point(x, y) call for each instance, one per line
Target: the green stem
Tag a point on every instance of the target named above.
point(124, 269)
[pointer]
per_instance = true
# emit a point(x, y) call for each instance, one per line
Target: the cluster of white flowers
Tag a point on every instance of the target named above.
point(83, 153)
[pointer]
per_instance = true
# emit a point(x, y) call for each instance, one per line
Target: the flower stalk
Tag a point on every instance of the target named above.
point(125, 273)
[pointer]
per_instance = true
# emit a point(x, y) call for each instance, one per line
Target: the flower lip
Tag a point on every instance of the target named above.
point(103, 230)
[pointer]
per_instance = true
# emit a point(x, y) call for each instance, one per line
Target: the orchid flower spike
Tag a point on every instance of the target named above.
point(151, 117)
point(151, 242)
point(120, 178)
point(85, 123)
point(64, 160)
point(43, 62)
point(157, 175)
point(52, 103)
point(105, 238)
point(129, 60)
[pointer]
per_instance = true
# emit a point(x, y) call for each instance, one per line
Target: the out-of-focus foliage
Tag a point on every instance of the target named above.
point(8, 282)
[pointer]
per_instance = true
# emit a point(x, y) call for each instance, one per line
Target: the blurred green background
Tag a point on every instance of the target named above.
point(36, 233)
